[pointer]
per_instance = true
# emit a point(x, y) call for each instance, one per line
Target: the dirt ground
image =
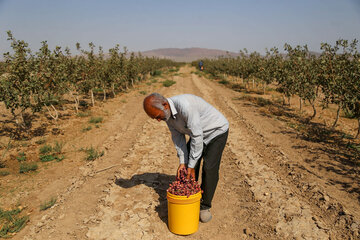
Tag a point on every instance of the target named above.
point(273, 183)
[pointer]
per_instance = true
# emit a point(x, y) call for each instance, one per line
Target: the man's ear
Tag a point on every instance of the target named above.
point(166, 105)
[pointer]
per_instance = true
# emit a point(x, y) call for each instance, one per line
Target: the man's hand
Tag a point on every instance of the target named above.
point(181, 166)
point(190, 173)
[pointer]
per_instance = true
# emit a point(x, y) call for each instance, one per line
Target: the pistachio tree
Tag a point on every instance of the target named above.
point(15, 86)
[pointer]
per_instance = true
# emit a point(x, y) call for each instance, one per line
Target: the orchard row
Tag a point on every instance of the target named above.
point(37, 80)
point(332, 76)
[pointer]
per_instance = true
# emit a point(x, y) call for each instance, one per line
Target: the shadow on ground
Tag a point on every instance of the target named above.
point(341, 148)
point(158, 181)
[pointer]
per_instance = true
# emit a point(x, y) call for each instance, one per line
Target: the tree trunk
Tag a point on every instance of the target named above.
point(253, 83)
point(283, 98)
point(314, 109)
point(56, 115)
point(14, 116)
point(337, 116)
point(300, 101)
point(358, 131)
point(113, 89)
point(104, 91)
point(289, 100)
point(264, 87)
point(19, 118)
point(92, 97)
point(76, 101)
point(22, 119)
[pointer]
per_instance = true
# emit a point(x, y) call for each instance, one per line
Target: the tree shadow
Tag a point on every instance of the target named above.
point(336, 142)
point(158, 181)
point(18, 131)
point(342, 149)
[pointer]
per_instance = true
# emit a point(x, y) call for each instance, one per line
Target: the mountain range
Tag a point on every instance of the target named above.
point(187, 54)
point(192, 54)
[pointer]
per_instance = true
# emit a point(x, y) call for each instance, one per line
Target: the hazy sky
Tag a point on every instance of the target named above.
point(149, 24)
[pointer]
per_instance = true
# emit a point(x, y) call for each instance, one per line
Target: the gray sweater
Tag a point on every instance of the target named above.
point(193, 116)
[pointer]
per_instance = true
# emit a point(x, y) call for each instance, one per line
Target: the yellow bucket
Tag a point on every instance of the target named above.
point(183, 213)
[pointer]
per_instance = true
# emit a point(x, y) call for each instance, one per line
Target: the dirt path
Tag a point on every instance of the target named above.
point(267, 189)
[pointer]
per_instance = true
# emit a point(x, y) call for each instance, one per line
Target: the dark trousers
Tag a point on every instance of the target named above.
point(211, 155)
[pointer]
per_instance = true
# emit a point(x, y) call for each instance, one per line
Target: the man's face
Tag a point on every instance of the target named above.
point(159, 114)
point(156, 113)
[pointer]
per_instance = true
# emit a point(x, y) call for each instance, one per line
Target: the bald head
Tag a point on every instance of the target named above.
point(157, 107)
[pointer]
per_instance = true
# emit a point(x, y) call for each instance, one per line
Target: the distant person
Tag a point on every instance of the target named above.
point(201, 65)
point(208, 130)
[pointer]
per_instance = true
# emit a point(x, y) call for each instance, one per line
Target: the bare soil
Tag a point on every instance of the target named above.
point(274, 183)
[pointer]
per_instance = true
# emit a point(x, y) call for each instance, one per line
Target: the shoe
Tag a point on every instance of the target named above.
point(205, 215)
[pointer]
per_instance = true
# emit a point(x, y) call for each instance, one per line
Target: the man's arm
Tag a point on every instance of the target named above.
point(196, 144)
point(180, 145)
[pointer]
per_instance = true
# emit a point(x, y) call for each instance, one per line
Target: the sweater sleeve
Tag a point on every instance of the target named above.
point(196, 144)
point(180, 145)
